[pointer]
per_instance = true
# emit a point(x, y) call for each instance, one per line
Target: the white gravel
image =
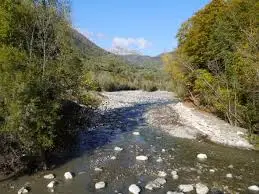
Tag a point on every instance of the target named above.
point(176, 118)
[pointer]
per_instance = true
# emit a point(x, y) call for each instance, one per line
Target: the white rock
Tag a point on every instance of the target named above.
point(134, 189)
point(174, 172)
point(230, 176)
point(98, 169)
point(49, 176)
point(23, 190)
point(155, 184)
point(201, 188)
point(142, 158)
point(240, 133)
point(162, 174)
point(68, 175)
point(161, 181)
point(152, 185)
point(52, 184)
point(159, 159)
point(118, 149)
point(163, 150)
point(185, 188)
point(230, 166)
point(175, 176)
point(100, 185)
point(212, 170)
point(136, 133)
point(113, 157)
point(253, 188)
point(202, 156)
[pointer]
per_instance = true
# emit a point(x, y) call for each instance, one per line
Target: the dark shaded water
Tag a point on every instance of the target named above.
point(115, 129)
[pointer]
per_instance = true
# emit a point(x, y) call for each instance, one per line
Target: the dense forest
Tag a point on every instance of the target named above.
point(47, 71)
point(216, 64)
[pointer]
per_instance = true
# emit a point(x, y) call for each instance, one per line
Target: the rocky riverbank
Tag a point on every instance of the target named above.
point(177, 119)
point(123, 153)
point(185, 122)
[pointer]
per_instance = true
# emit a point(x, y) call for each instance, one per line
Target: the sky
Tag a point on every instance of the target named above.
point(147, 27)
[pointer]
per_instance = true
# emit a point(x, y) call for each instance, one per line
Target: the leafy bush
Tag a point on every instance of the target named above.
point(40, 77)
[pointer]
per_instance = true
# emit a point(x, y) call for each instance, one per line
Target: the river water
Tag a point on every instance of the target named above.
point(96, 149)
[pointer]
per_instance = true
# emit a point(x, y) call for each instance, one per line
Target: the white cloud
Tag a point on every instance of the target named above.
point(122, 45)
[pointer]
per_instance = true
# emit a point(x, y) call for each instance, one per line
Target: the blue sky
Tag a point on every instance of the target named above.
point(144, 26)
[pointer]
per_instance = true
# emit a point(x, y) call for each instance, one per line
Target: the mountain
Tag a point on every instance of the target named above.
point(86, 47)
point(89, 49)
point(144, 61)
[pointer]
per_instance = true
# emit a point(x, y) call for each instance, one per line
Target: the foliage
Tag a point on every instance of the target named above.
point(40, 71)
point(216, 62)
point(111, 73)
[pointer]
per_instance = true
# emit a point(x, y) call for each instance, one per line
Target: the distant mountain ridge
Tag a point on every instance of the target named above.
point(143, 61)
point(89, 49)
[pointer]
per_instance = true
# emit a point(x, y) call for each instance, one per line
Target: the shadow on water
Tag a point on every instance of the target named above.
point(109, 125)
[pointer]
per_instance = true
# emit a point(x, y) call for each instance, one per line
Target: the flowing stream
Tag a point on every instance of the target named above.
point(116, 128)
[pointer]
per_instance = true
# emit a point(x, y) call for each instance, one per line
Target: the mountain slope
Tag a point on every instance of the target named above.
point(85, 46)
point(143, 61)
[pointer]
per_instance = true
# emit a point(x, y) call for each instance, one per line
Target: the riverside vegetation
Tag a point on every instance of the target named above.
point(47, 69)
point(216, 64)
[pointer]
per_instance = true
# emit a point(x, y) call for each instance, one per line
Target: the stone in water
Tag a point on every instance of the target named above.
point(230, 176)
point(100, 185)
point(142, 158)
point(253, 188)
point(49, 176)
point(134, 189)
point(52, 184)
point(23, 190)
point(98, 169)
point(68, 175)
point(202, 156)
point(136, 133)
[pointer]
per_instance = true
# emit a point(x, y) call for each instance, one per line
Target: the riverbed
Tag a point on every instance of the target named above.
point(119, 118)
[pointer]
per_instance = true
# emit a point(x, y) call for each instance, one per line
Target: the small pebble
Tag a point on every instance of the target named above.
point(49, 176)
point(52, 184)
point(136, 133)
point(134, 189)
point(230, 176)
point(142, 158)
point(100, 185)
point(118, 149)
point(162, 174)
point(68, 175)
point(253, 188)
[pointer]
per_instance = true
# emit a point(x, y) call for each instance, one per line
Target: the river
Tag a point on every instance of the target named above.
point(116, 127)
